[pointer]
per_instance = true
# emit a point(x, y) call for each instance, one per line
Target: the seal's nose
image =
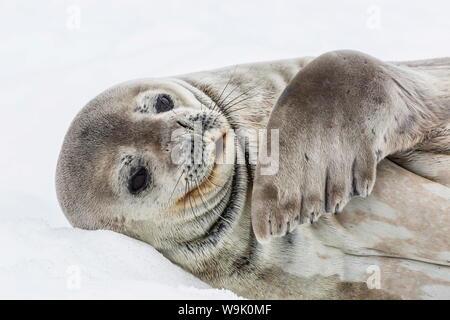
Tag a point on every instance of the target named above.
point(182, 122)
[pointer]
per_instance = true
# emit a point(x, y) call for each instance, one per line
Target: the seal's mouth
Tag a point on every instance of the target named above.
point(208, 181)
point(213, 179)
point(220, 144)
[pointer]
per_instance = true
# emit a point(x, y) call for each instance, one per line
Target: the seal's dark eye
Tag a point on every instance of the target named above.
point(163, 103)
point(139, 180)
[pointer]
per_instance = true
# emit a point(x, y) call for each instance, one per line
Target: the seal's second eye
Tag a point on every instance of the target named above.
point(139, 180)
point(163, 103)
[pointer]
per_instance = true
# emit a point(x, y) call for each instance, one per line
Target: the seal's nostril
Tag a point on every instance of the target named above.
point(185, 124)
point(181, 124)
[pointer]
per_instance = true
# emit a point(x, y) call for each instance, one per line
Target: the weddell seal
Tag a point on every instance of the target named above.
point(346, 133)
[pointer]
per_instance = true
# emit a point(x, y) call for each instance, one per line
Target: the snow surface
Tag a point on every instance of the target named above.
point(50, 68)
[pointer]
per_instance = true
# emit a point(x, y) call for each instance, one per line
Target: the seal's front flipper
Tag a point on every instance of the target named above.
point(339, 116)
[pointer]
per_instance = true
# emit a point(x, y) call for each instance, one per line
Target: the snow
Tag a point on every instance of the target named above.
point(56, 55)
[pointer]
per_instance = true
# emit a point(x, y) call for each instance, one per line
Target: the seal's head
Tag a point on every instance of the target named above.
point(140, 159)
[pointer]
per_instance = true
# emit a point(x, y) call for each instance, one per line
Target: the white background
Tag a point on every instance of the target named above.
point(57, 55)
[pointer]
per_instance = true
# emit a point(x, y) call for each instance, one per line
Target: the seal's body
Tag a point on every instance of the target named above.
point(118, 170)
